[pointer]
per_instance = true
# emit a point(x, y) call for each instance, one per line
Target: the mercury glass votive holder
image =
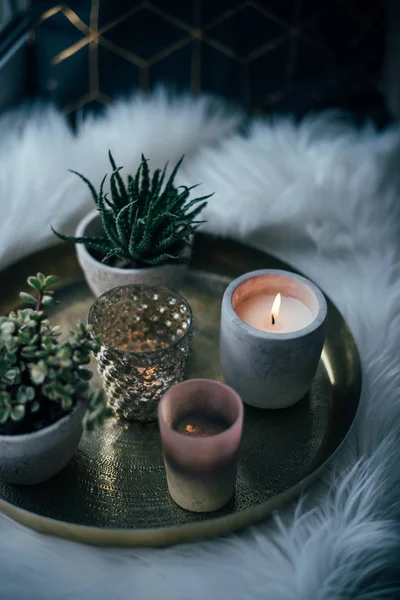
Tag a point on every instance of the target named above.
point(145, 333)
point(200, 424)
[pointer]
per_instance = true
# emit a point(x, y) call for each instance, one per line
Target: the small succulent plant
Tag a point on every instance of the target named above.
point(41, 377)
point(145, 222)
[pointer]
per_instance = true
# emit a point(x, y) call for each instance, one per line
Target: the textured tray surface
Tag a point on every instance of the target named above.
point(116, 479)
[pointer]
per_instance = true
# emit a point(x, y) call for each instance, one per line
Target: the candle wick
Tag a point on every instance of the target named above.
point(273, 319)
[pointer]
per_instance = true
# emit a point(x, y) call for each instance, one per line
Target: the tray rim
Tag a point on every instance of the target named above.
point(187, 532)
point(165, 536)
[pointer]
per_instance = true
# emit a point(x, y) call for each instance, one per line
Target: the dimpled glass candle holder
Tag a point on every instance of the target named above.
point(145, 333)
point(201, 423)
point(273, 327)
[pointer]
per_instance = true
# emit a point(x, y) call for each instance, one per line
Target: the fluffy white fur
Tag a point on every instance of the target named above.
point(321, 195)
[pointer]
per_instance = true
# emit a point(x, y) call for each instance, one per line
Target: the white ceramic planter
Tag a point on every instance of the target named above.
point(101, 277)
point(36, 457)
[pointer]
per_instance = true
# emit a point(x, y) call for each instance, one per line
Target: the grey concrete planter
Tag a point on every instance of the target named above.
point(36, 457)
point(102, 278)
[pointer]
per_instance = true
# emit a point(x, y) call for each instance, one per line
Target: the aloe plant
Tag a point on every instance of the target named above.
point(146, 221)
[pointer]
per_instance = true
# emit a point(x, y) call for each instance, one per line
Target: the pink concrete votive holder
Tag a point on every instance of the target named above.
point(201, 471)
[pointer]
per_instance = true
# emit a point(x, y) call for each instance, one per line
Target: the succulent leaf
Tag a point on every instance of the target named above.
point(17, 412)
point(122, 191)
point(27, 298)
point(35, 283)
point(90, 186)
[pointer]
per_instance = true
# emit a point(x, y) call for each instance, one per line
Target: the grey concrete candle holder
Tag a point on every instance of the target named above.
point(271, 370)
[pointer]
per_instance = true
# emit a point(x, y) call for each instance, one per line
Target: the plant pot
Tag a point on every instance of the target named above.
point(101, 277)
point(36, 457)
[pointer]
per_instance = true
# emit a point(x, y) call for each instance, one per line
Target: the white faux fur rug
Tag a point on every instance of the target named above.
point(322, 196)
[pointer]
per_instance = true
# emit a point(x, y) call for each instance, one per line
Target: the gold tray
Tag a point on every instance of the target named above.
point(114, 491)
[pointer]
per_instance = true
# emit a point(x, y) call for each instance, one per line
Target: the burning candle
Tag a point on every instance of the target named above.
point(201, 426)
point(276, 314)
point(197, 425)
point(272, 332)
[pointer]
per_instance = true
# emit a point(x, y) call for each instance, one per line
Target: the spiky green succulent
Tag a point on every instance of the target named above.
point(42, 377)
point(145, 221)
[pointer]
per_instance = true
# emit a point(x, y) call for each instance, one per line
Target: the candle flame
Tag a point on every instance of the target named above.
point(275, 308)
point(190, 428)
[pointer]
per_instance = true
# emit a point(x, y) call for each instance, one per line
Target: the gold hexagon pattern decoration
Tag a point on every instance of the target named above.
point(244, 58)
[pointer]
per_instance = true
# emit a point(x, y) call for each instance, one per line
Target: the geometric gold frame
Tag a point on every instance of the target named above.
point(291, 31)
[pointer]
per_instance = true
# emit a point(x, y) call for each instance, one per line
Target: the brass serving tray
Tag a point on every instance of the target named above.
point(114, 491)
